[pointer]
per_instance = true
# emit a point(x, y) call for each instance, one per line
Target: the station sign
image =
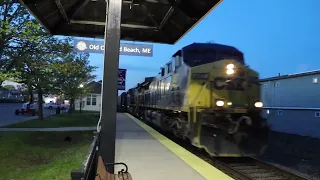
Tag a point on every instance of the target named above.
point(125, 48)
point(122, 79)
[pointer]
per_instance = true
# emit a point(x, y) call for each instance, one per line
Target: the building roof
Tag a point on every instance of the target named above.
point(160, 21)
point(307, 73)
point(95, 87)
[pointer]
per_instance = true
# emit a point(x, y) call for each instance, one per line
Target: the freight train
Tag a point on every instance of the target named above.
point(206, 94)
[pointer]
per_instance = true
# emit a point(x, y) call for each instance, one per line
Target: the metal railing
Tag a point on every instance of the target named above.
point(89, 166)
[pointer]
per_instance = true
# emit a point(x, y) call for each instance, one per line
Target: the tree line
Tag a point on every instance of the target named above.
point(44, 63)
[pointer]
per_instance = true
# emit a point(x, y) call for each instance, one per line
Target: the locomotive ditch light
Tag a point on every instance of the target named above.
point(229, 103)
point(219, 103)
point(258, 104)
point(230, 71)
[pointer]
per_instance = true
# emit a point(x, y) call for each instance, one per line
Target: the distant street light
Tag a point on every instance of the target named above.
point(81, 86)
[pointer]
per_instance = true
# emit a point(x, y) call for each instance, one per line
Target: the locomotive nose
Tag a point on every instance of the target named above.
point(256, 140)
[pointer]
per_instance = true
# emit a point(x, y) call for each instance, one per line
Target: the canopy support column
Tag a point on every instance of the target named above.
point(110, 79)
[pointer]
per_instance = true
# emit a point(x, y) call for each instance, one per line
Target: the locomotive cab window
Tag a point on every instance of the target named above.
point(173, 64)
point(178, 61)
point(169, 67)
point(162, 72)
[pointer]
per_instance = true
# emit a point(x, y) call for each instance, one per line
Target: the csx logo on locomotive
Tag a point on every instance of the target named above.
point(233, 83)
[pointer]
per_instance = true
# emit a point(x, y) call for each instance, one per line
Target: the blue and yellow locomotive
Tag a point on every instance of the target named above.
point(206, 94)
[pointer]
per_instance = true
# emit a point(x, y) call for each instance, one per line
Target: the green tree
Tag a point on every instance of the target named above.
point(4, 75)
point(31, 55)
point(14, 23)
point(70, 73)
point(35, 60)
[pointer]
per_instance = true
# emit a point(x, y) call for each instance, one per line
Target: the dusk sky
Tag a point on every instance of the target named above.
point(276, 36)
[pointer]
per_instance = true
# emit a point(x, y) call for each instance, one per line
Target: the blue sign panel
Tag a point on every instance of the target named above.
point(125, 49)
point(122, 79)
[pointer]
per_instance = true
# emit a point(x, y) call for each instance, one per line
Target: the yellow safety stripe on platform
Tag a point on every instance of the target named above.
point(205, 169)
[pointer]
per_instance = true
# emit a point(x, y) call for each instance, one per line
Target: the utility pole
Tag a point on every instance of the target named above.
point(81, 86)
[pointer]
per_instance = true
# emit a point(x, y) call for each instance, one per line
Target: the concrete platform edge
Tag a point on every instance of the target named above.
point(199, 165)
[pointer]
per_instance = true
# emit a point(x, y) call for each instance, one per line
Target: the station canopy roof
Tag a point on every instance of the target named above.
point(158, 21)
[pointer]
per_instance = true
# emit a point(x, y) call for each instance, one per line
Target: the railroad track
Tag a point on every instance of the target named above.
point(239, 168)
point(246, 168)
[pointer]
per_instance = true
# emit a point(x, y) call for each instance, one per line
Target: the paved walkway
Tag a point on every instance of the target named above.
point(50, 129)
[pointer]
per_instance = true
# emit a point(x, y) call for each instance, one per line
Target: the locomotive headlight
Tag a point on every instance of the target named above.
point(220, 103)
point(230, 66)
point(258, 104)
point(230, 71)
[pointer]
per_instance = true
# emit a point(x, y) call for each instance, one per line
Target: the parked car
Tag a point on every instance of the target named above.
point(53, 105)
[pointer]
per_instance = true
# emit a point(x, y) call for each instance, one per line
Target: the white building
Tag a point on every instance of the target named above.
point(92, 102)
point(291, 103)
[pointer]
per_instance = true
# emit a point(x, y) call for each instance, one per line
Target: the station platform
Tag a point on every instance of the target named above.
point(151, 156)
